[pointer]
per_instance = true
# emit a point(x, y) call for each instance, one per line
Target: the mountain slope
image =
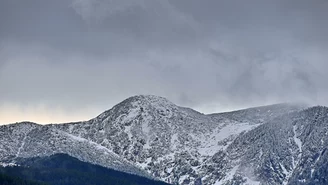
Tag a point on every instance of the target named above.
point(31, 140)
point(150, 136)
point(290, 149)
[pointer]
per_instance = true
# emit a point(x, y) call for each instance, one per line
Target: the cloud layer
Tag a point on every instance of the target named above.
point(71, 59)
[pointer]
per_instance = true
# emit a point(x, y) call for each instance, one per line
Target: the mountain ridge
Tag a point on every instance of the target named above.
point(151, 136)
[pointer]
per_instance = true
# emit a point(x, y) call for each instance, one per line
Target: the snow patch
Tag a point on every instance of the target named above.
point(312, 170)
point(287, 174)
point(145, 164)
point(8, 164)
point(182, 178)
point(70, 128)
point(297, 140)
point(261, 153)
point(229, 176)
point(227, 133)
point(174, 141)
point(251, 182)
point(131, 115)
point(97, 146)
point(22, 146)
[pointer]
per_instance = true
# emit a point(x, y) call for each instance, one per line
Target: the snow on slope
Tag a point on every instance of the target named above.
point(221, 137)
point(171, 143)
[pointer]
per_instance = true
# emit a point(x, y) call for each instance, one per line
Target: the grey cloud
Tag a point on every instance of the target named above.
point(212, 55)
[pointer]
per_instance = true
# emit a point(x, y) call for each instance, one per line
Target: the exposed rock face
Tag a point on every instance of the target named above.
point(150, 136)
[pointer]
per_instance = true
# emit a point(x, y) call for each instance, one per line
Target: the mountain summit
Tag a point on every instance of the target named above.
point(135, 105)
point(152, 137)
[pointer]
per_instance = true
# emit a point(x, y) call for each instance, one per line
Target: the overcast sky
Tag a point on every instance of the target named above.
point(69, 60)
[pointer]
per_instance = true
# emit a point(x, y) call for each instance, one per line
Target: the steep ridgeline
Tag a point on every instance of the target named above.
point(259, 115)
point(30, 140)
point(150, 136)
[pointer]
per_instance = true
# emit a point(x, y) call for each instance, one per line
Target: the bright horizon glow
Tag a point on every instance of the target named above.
point(42, 114)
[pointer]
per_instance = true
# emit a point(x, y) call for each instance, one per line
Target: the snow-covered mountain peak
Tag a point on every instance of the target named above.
point(141, 104)
point(153, 101)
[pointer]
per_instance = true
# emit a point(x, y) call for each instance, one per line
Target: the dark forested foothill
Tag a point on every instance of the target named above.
point(11, 180)
point(61, 169)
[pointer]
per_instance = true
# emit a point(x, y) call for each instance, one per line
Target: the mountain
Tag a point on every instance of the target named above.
point(152, 137)
point(61, 169)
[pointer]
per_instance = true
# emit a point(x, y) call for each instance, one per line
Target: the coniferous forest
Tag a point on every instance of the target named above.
point(61, 169)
